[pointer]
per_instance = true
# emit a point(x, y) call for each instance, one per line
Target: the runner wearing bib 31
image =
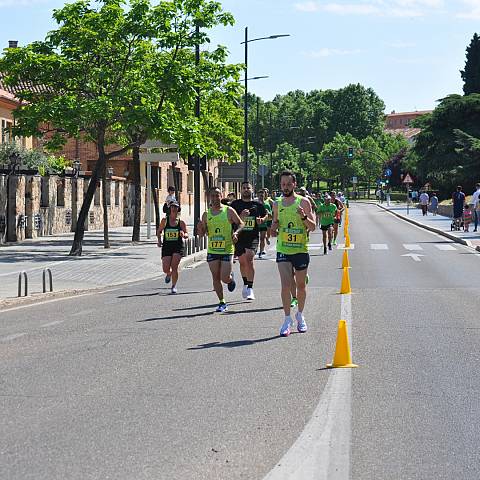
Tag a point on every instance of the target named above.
point(217, 224)
point(293, 219)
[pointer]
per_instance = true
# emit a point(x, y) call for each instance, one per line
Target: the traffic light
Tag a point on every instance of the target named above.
point(350, 152)
point(191, 162)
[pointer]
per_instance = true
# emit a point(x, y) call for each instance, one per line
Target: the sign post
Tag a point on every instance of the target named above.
point(407, 180)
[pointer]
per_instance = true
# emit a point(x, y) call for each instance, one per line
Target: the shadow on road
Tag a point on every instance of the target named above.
point(237, 343)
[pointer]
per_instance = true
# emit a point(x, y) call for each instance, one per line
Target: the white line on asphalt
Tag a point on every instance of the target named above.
point(12, 337)
point(378, 246)
point(412, 246)
point(51, 324)
point(414, 256)
point(445, 247)
point(341, 246)
point(322, 452)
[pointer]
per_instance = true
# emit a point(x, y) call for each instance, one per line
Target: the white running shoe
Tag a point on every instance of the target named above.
point(174, 290)
point(287, 324)
point(245, 292)
point(251, 295)
point(301, 324)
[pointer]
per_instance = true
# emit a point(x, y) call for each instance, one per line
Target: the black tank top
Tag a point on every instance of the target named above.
point(171, 235)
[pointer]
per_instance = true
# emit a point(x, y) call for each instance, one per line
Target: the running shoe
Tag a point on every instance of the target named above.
point(174, 290)
point(294, 302)
point(167, 278)
point(329, 246)
point(301, 324)
point(222, 307)
point(262, 253)
point(251, 295)
point(245, 292)
point(324, 250)
point(334, 242)
point(287, 324)
point(235, 259)
point(231, 284)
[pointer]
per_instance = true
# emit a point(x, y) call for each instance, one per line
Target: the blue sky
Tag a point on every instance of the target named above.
point(409, 51)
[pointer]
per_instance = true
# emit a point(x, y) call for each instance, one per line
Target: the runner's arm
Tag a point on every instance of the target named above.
point(274, 227)
point(305, 209)
point(234, 219)
point(183, 229)
point(160, 229)
point(202, 225)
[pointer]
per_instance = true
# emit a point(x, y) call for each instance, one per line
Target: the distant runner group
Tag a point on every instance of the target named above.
point(238, 228)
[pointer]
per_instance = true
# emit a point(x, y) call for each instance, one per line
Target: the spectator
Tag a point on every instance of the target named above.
point(170, 198)
point(458, 199)
point(467, 217)
point(474, 203)
point(424, 198)
point(434, 203)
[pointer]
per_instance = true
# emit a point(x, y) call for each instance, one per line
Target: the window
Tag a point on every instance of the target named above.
point(117, 194)
point(96, 198)
point(108, 192)
point(60, 192)
point(44, 192)
point(6, 134)
point(190, 182)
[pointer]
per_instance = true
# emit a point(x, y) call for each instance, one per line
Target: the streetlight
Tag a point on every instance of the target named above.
point(245, 137)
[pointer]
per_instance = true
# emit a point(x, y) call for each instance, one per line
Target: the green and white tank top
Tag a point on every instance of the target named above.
point(292, 234)
point(219, 233)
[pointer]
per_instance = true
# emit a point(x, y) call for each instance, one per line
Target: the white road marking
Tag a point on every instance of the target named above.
point(314, 248)
point(51, 324)
point(414, 256)
point(443, 246)
point(322, 451)
point(12, 337)
point(378, 246)
point(412, 246)
point(341, 246)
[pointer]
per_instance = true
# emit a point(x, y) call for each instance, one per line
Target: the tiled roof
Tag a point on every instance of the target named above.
point(401, 114)
point(406, 132)
point(21, 86)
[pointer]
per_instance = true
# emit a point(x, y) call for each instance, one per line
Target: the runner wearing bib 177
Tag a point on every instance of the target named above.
point(253, 214)
point(217, 224)
point(293, 219)
point(174, 231)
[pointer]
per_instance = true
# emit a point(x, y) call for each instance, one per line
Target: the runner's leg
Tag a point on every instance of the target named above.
point(263, 235)
point(215, 269)
point(300, 277)
point(176, 257)
point(167, 265)
point(285, 270)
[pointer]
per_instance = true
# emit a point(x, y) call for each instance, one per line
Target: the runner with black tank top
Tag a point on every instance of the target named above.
point(217, 224)
point(174, 232)
point(253, 214)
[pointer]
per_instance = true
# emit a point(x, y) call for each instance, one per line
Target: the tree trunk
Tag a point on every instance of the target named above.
point(157, 209)
point(106, 241)
point(76, 249)
point(137, 195)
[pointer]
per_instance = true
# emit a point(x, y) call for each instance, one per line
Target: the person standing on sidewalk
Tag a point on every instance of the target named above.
point(217, 224)
point(434, 204)
point(424, 198)
point(253, 214)
point(293, 219)
point(474, 203)
point(458, 200)
point(174, 232)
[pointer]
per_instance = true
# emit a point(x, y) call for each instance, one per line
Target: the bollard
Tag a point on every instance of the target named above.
point(196, 243)
point(45, 271)
point(24, 274)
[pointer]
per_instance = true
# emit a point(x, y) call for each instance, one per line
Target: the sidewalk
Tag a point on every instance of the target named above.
point(437, 224)
point(97, 267)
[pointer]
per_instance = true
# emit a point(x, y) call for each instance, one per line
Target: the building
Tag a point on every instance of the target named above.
point(400, 124)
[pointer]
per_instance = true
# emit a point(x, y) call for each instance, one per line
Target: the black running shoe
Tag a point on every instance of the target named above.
point(324, 250)
point(329, 246)
point(231, 284)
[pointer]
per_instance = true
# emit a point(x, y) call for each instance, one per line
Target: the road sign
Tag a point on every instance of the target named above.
point(157, 144)
point(407, 179)
point(388, 172)
point(354, 180)
point(263, 170)
point(159, 157)
point(230, 173)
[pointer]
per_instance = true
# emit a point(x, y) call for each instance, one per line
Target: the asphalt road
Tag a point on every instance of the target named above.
point(133, 383)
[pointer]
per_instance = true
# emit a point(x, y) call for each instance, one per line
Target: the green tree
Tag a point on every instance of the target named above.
point(471, 74)
point(107, 69)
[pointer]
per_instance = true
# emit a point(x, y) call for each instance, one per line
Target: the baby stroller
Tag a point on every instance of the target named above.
point(457, 224)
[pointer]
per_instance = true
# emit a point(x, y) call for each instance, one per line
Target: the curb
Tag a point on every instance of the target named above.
point(448, 235)
point(11, 302)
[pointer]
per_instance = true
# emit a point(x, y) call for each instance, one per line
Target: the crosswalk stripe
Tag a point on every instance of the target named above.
point(442, 246)
point(412, 246)
point(378, 246)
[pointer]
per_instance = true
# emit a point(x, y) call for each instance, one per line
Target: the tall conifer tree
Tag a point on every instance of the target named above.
point(471, 74)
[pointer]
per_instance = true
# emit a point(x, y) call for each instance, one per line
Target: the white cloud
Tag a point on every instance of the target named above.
point(330, 52)
point(472, 11)
point(384, 8)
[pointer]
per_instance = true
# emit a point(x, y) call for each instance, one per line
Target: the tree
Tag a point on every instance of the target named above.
point(471, 74)
point(95, 77)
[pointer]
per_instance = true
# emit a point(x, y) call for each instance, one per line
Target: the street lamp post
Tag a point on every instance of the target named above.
point(245, 136)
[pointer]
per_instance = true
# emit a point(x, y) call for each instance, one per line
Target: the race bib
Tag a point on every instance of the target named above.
point(249, 223)
point(171, 235)
point(217, 243)
point(293, 237)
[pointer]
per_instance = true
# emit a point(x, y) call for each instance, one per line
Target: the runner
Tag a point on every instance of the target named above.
point(265, 226)
point(174, 232)
point(338, 216)
point(292, 220)
point(217, 224)
point(269, 201)
point(253, 214)
point(327, 213)
point(319, 200)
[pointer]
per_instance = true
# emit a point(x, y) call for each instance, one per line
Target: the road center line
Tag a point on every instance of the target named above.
point(12, 337)
point(51, 324)
point(322, 451)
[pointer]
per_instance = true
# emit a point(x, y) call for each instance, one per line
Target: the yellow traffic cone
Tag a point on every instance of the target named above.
point(345, 261)
point(347, 241)
point(345, 231)
point(347, 222)
point(342, 357)
point(345, 288)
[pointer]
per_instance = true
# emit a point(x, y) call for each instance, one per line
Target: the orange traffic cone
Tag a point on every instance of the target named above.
point(342, 357)
point(345, 231)
point(347, 221)
point(347, 241)
point(345, 261)
point(345, 288)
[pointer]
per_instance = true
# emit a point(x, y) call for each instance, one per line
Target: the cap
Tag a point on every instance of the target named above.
point(174, 203)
